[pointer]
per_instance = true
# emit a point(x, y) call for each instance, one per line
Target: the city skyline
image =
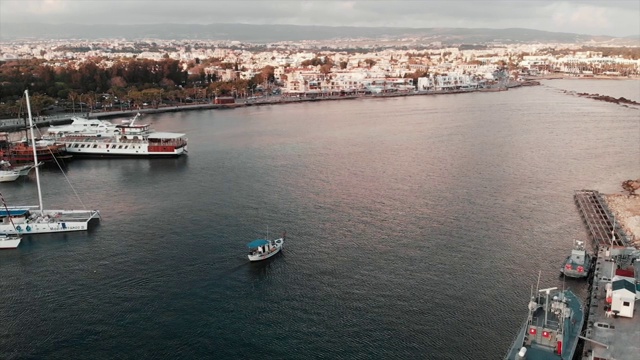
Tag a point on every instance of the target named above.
point(613, 18)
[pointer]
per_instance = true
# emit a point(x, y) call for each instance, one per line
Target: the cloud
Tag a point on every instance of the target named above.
point(617, 17)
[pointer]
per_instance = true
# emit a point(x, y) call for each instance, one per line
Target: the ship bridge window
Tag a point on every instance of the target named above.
point(113, 146)
point(75, 145)
point(120, 147)
point(95, 146)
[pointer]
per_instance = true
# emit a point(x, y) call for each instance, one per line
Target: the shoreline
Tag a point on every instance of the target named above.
point(626, 209)
point(11, 125)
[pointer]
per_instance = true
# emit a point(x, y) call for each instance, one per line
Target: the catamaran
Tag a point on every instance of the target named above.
point(37, 220)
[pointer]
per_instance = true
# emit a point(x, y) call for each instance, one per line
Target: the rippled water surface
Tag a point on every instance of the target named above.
point(415, 228)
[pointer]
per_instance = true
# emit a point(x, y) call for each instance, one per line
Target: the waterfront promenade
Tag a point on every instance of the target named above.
point(65, 118)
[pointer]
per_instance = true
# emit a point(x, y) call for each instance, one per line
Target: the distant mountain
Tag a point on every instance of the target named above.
point(276, 33)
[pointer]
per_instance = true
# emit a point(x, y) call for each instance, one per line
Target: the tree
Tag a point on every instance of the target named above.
point(326, 68)
point(73, 96)
point(267, 73)
point(370, 62)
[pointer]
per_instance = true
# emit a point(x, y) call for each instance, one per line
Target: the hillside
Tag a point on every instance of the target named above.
point(277, 33)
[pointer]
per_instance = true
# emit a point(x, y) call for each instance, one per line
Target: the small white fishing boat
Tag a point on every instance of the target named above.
point(262, 249)
point(9, 175)
point(8, 241)
point(22, 170)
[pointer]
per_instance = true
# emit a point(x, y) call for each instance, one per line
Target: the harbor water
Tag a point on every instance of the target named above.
point(416, 227)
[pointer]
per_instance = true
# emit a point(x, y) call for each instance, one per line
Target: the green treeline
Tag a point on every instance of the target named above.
point(122, 82)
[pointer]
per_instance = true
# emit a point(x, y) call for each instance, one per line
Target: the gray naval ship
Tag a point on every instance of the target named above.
point(578, 264)
point(552, 327)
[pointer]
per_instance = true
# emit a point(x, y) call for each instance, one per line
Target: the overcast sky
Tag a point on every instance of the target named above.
point(603, 17)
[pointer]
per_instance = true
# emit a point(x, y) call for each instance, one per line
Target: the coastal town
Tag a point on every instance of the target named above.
point(203, 70)
point(211, 75)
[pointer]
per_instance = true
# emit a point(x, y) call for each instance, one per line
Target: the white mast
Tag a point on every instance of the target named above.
point(613, 237)
point(35, 154)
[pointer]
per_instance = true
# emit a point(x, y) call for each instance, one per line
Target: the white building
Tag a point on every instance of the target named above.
point(623, 297)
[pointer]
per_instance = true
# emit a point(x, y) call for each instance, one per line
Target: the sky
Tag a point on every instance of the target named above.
point(602, 17)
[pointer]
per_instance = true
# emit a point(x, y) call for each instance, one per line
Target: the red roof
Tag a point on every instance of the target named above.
point(625, 273)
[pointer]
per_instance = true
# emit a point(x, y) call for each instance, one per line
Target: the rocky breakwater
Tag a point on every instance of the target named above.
point(620, 101)
point(626, 208)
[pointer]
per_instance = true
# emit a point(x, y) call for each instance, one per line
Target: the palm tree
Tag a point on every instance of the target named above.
point(73, 96)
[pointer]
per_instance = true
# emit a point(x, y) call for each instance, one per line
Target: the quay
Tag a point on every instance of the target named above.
point(612, 327)
point(9, 125)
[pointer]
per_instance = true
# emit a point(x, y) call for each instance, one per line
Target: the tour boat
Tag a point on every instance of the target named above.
point(82, 127)
point(35, 219)
point(121, 140)
point(21, 152)
point(262, 249)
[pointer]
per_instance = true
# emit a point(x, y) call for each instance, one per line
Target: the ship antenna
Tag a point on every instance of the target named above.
point(538, 284)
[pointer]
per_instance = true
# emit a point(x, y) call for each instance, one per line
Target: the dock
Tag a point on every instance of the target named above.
point(612, 327)
point(599, 220)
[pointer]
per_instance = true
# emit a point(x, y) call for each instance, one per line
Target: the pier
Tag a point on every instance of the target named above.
point(599, 220)
point(606, 335)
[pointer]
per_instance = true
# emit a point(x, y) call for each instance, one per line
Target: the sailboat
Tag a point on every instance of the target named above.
point(37, 220)
point(8, 241)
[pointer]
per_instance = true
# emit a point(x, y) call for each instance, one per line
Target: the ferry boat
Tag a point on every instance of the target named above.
point(119, 140)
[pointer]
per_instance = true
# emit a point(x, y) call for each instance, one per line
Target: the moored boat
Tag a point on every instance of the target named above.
point(578, 264)
point(22, 152)
point(7, 175)
point(262, 249)
point(35, 219)
point(128, 139)
point(84, 127)
point(23, 170)
point(552, 327)
point(8, 241)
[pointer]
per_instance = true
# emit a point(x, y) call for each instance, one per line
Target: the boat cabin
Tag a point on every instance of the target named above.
point(17, 216)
